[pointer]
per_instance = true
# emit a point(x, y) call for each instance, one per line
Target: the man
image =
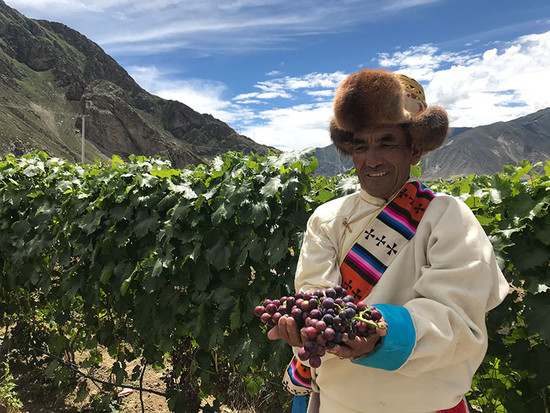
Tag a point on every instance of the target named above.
point(423, 260)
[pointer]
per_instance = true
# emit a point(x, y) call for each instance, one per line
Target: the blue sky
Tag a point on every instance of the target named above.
point(269, 68)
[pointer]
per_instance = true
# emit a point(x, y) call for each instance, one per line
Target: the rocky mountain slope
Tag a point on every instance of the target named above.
point(481, 150)
point(51, 75)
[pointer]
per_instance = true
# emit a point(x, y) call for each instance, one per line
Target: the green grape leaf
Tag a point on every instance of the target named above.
point(538, 317)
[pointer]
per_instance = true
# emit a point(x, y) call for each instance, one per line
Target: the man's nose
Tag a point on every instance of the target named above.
point(372, 159)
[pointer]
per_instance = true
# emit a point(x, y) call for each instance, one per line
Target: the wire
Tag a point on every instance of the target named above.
point(75, 368)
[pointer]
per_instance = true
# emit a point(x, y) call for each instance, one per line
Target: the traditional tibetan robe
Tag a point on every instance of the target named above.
point(425, 262)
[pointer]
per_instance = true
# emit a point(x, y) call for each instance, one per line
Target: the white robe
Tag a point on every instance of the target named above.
point(446, 278)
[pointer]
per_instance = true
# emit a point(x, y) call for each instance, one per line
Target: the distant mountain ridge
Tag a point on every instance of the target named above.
point(50, 75)
point(483, 150)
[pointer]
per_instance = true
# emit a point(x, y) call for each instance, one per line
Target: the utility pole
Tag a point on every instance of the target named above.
point(83, 135)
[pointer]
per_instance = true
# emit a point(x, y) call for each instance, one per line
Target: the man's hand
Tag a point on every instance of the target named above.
point(359, 346)
point(287, 330)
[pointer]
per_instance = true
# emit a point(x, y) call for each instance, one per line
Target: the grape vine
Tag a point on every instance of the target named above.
point(140, 259)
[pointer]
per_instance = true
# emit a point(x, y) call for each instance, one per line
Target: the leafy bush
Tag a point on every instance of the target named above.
point(166, 266)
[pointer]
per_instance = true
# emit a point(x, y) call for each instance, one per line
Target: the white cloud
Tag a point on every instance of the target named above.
point(308, 81)
point(203, 96)
point(479, 88)
point(127, 26)
point(321, 93)
point(295, 127)
point(499, 84)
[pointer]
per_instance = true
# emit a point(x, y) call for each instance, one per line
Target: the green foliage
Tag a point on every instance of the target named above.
point(9, 401)
point(137, 256)
point(166, 266)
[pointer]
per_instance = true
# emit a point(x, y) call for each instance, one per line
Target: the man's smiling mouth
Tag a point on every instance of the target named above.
point(376, 174)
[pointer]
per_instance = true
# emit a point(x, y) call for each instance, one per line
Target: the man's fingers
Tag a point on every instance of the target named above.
point(273, 333)
point(287, 330)
point(292, 331)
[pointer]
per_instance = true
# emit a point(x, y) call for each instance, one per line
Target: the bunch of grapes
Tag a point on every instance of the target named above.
point(323, 317)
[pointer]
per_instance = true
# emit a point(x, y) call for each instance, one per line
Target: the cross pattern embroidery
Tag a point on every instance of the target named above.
point(356, 293)
point(369, 234)
point(347, 285)
point(419, 208)
point(381, 241)
point(391, 249)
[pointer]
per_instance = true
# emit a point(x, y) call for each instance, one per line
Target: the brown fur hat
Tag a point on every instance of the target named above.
point(371, 98)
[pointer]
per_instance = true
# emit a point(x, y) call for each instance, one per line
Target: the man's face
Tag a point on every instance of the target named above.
point(383, 159)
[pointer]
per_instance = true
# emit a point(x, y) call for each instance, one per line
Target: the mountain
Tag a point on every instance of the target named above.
point(482, 150)
point(486, 149)
point(51, 75)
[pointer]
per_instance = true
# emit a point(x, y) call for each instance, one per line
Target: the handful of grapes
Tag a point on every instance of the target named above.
point(323, 316)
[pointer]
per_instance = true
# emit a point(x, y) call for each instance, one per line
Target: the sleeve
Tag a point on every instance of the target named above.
point(444, 324)
point(318, 262)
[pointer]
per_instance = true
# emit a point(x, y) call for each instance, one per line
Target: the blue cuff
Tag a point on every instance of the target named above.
point(397, 345)
point(299, 404)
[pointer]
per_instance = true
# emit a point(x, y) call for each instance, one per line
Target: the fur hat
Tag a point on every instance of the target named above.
point(371, 98)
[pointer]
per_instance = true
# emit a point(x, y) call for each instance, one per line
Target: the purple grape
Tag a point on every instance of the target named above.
point(309, 345)
point(375, 315)
point(321, 326)
point(328, 303)
point(296, 313)
point(321, 339)
point(348, 299)
point(329, 333)
point(310, 333)
point(350, 312)
point(330, 292)
point(328, 319)
point(303, 354)
point(361, 327)
point(315, 313)
point(259, 310)
point(321, 351)
point(275, 318)
point(315, 361)
point(271, 308)
point(322, 317)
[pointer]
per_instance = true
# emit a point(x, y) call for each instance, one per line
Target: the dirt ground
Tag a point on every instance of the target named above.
point(42, 396)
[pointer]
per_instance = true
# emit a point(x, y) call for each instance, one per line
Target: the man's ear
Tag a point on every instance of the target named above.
point(416, 154)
